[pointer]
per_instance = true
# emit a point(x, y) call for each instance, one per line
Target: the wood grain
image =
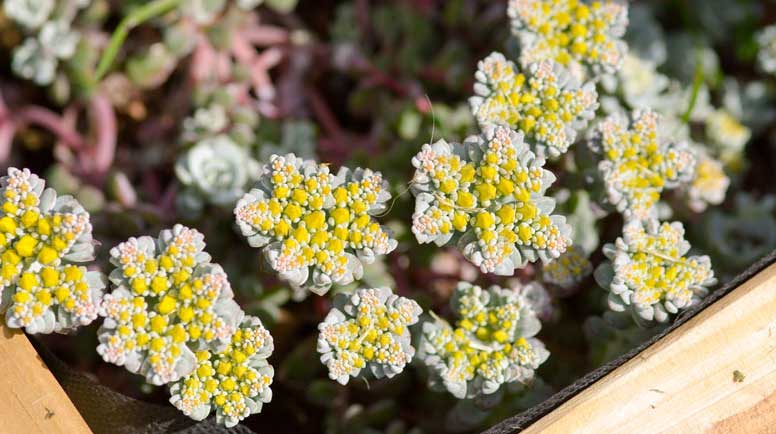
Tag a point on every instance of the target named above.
point(31, 400)
point(684, 382)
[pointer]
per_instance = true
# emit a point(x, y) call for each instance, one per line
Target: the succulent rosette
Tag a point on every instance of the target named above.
point(367, 329)
point(491, 344)
point(169, 301)
point(543, 101)
point(316, 228)
point(638, 163)
point(490, 192)
point(649, 272)
point(234, 382)
point(216, 170)
point(584, 36)
point(43, 238)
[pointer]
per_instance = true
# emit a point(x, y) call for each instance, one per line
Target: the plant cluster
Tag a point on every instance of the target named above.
point(317, 227)
point(43, 238)
point(491, 189)
point(368, 329)
point(491, 344)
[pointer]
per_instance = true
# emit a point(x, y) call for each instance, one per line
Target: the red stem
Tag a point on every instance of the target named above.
point(104, 123)
point(51, 121)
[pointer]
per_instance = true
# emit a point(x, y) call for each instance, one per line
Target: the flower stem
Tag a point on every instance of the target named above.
point(134, 19)
point(696, 87)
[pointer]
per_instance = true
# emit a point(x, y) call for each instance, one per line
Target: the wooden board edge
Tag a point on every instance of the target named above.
point(31, 399)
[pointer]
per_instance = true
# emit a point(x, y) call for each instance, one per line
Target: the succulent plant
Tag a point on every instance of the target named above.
point(43, 239)
point(234, 382)
point(168, 301)
point(367, 329)
point(649, 272)
point(316, 228)
point(585, 36)
point(491, 345)
point(490, 189)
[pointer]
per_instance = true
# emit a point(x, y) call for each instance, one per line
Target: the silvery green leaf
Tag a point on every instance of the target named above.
point(29, 13)
point(57, 38)
point(32, 62)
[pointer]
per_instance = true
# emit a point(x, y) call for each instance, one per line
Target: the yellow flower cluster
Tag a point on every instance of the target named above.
point(234, 382)
point(709, 184)
point(543, 102)
point(638, 164)
point(367, 329)
point(573, 33)
point(490, 189)
point(569, 269)
point(41, 239)
point(650, 273)
point(317, 227)
point(492, 343)
point(168, 297)
point(728, 135)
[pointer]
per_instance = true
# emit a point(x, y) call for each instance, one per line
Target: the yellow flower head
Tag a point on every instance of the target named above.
point(367, 330)
point(491, 344)
point(235, 382)
point(42, 237)
point(168, 300)
point(578, 34)
point(497, 203)
point(542, 101)
point(568, 270)
point(709, 183)
point(637, 163)
point(650, 273)
point(317, 227)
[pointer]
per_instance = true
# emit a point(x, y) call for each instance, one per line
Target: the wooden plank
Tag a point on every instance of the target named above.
point(31, 400)
point(684, 383)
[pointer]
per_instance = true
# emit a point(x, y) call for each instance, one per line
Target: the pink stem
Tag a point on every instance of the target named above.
point(202, 60)
point(104, 122)
point(7, 131)
point(265, 36)
point(245, 53)
point(52, 122)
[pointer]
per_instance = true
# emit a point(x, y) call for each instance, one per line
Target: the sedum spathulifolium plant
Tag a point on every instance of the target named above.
point(367, 329)
point(43, 238)
point(316, 228)
point(544, 102)
point(233, 382)
point(490, 345)
point(168, 302)
point(490, 191)
point(638, 162)
point(584, 36)
point(649, 272)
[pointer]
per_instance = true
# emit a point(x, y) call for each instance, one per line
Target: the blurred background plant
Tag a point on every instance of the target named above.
point(155, 112)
